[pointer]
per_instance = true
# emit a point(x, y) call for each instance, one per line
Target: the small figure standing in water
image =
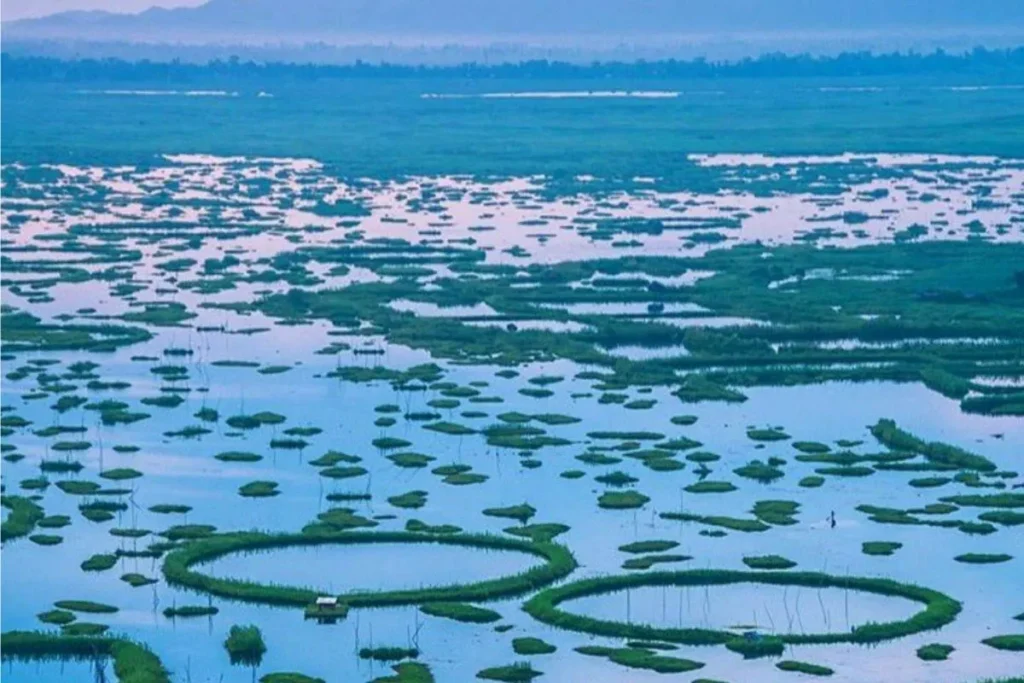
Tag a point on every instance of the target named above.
point(832, 519)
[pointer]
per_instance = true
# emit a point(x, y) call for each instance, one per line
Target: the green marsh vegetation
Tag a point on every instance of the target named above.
point(408, 672)
point(461, 611)
point(765, 646)
point(133, 661)
point(136, 580)
point(884, 548)
point(289, 677)
point(804, 668)
point(177, 567)
point(806, 316)
point(938, 611)
point(24, 515)
point(520, 672)
point(46, 539)
point(641, 658)
point(188, 611)
point(388, 653)
point(1011, 643)
point(935, 652)
point(409, 500)
point(259, 489)
point(710, 487)
point(622, 500)
point(521, 513)
point(768, 562)
point(529, 645)
point(86, 606)
point(652, 546)
point(983, 558)
point(759, 471)
point(648, 561)
point(245, 645)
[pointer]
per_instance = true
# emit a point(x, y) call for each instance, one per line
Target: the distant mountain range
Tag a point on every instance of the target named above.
point(535, 28)
point(241, 21)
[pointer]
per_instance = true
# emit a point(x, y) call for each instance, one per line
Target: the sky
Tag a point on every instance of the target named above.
point(22, 9)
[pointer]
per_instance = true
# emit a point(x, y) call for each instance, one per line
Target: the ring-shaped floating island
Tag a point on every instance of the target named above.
point(940, 609)
point(178, 569)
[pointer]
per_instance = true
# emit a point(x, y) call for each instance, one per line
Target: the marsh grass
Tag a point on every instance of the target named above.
point(521, 513)
point(939, 609)
point(259, 489)
point(520, 672)
point(648, 561)
point(622, 500)
point(245, 645)
point(136, 580)
point(768, 562)
point(132, 662)
point(1010, 643)
point(883, 548)
point(983, 558)
point(652, 546)
point(804, 668)
point(24, 515)
point(388, 653)
point(86, 606)
point(461, 611)
point(529, 645)
point(409, 500)
point(408, 672)
point(99, 562)
point(934, 652)
point(731, 523)
point(177, 567)
point(710, 487)
point(289, 677)
point(641, 658)
point(190, 611)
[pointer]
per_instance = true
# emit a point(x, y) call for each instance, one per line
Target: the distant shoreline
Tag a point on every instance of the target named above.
point(1001, 65)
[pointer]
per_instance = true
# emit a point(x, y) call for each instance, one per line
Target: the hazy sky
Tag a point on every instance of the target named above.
point(20, 9)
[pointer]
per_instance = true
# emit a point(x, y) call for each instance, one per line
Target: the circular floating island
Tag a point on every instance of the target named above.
point(939, 609)
point(179, 568)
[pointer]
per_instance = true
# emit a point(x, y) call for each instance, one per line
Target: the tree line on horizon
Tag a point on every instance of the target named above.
point(1002, 62)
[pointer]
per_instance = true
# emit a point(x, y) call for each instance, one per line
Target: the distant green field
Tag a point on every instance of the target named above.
point(383, 127)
